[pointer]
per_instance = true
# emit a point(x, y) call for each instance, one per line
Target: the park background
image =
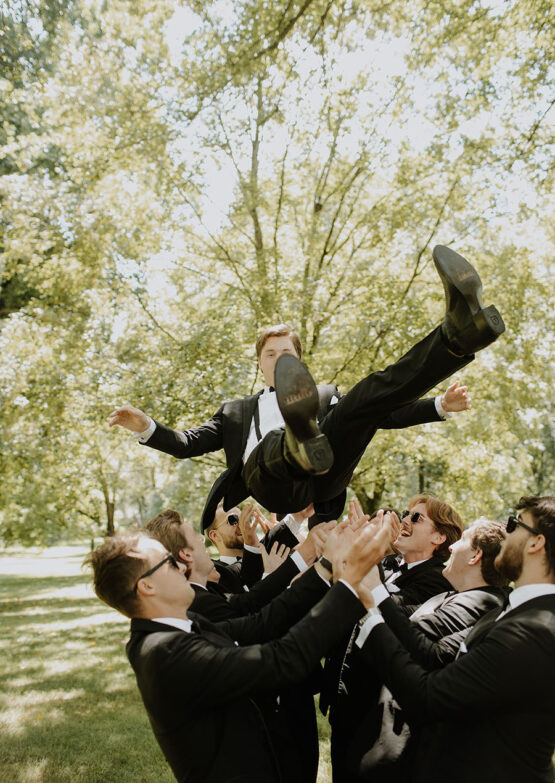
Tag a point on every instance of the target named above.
point(175, 176)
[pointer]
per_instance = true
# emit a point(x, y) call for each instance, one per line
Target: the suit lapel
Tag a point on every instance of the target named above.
point(249, 406)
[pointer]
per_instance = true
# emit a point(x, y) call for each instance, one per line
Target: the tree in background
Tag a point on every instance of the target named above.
point(340, 169)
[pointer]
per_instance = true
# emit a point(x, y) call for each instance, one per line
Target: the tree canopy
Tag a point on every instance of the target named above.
point(176, 176)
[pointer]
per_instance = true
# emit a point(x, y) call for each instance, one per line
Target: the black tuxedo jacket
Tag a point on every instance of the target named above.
point(346, 688)
point(351, 688)
point(204, 694)
point(493, 708)
point(419, 583)
point(294, 704)
point(246, 572)
point(229, 429)
point(212, 604)
point(433, 640)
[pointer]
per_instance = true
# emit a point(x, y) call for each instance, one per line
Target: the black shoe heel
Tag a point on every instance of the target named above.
point(319, 454)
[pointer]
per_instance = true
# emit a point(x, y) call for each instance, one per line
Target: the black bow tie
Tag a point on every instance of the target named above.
point(271, 389)
point(390, 563)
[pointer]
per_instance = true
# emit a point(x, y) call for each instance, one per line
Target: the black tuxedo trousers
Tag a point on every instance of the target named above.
point(350, 425)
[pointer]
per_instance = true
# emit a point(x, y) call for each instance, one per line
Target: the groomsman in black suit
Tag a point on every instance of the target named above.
point(301, 444)
point(493, 708)
point(207, 695)
point(240, 562)
point(426, 531)
point(295, 704)
point(382, 746)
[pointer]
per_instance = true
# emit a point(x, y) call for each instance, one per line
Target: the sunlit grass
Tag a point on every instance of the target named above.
point(70, 711)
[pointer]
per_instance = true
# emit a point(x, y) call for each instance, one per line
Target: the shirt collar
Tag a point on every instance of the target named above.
point(198, 584)
point(177, 622)
point(229, 559)
point(268, 390)
point(526, 592)
point(411, 565)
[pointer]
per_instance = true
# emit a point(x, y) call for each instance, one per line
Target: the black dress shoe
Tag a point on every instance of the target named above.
point(305, 446)
point(468, 325)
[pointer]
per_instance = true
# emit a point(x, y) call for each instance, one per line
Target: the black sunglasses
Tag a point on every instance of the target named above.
point(512, 523)
point(233, 519)
point(168, 559)
point(414, 517)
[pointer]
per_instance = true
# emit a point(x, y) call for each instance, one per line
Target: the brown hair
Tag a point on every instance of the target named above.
point(166, 528)
point(446, 521)
point(117, 566)
point(543, 511)
point(280, 330)
point(487, 535)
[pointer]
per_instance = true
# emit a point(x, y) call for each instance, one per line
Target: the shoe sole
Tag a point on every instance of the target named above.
point(462, 275)
point(298, 401)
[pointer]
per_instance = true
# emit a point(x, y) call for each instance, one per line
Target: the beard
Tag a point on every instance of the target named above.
point(509, 562)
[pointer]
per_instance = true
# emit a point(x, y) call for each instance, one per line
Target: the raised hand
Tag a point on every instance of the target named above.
point(338, 544)
point(455, 398)
point(248, 522)
point(313, 546)
point(277, 555)
point(366, 551)
point(265, 524)
point(356, 515)
point(129, 417)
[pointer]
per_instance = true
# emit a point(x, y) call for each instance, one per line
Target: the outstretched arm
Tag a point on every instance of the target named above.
point(454, 399)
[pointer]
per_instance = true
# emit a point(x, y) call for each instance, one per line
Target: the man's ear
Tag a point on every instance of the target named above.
point(438, 538)
point(537, 544)
point(212, 535)
point(185, 555)
point(476, 557)
point(145, 588)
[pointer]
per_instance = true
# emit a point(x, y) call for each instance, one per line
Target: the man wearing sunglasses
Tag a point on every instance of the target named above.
point(493, 709)
point(207, 686)
point(381, 744)
point(426, 531)
point(298, 443)
point(233, 533)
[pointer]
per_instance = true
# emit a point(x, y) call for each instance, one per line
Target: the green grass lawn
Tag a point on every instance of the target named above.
point(70, 711)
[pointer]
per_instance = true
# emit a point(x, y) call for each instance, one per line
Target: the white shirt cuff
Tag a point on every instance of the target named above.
point(369, 624)
point(142, 437)
point(379, 594)
point(441, 410)
point(299, 561)
point(292, 524)
point(351, 588)
point(254, 549)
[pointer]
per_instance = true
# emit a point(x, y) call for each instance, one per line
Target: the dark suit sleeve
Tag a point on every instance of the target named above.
point(214, 607)
point(434, 641)
point(419, 412)
point(282, 535)
point(201, 674)
point(511, 663)
point(264, 590)
point(252, 568)
point(189, 443)
point(280, 614)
